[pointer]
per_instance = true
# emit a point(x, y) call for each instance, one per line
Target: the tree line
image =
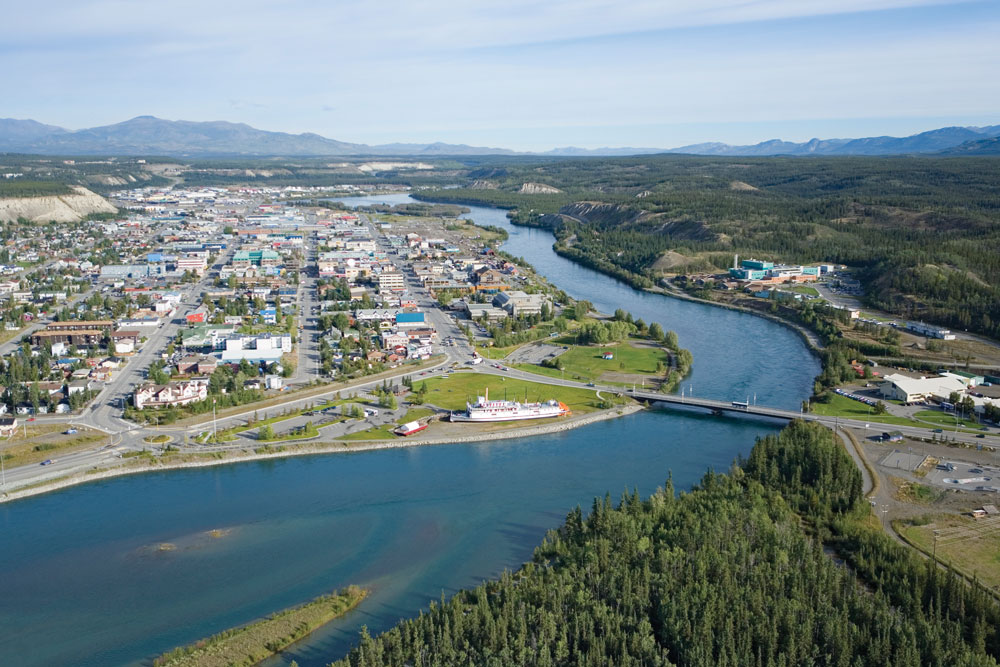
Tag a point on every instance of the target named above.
point(731, 573)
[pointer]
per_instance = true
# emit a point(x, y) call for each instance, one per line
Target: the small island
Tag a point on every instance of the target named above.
point(250, 644)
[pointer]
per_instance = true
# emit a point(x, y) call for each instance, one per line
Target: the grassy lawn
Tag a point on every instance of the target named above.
point(250, 644)
point(413, 414)
point(841, 406)
point(801, 289)
point(584, 363)
point(496, 352)
point(972, 546)
point(451, 393)
point(374, 433)
point(945, 419)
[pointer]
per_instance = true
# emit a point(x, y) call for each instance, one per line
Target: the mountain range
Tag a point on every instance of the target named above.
point(148, 135)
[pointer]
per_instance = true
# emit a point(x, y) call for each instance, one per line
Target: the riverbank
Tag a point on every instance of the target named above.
point(250, 644)
point(810, 338)
point(221, 456)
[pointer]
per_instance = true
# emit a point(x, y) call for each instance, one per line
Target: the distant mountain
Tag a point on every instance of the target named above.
point(570, 151)
point(932, 141)
point(14, 130)
point(148, 135)
point(989, 146)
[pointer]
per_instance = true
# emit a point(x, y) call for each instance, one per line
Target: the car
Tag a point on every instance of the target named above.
point(981, 435)
point(31, 419)
point(46, 462)
point(937, 430)
point(975, 470)
point(591, 384)
point(70, 431)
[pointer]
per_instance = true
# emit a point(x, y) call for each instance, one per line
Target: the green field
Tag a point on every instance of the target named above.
point(945, 419)
point(801, 289)
point(841, 406)
point(451, 393)
point(584, 363)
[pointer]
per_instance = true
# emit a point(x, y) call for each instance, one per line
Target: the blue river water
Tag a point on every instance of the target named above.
point(83, 582)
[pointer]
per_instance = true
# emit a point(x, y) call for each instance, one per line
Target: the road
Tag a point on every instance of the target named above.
point(105, 411)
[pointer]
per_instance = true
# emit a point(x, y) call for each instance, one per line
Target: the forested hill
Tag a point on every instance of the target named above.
point(723, 575)
point(922, 231)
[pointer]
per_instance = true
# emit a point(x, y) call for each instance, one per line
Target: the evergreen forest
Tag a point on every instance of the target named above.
point(774, 563)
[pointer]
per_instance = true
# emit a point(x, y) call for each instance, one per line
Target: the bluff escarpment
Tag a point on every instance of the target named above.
point(62, 208)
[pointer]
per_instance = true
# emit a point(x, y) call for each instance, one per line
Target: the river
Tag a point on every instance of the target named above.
point(85, 581)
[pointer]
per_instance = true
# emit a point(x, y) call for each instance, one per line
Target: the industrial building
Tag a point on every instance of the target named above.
point(909, 390)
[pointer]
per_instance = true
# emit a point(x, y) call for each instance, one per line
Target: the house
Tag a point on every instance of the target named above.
point(77, 387)
point(174, 393)
point(489, 279)
point(198, 316)
point(8, 424)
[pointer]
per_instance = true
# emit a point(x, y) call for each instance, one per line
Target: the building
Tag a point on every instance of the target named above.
point(75, 337)
point(755, 269)
point(929, 331)
point(266, 348)
point(970, 379)
point(198, 316)
point(244, 259)
point(476, 311)
point(405, 319)
point(196, 364)
point(101, 325)
point(907, 389)
point(391, 281)
point(8, 424)
point(174, 393)
point(125, 271)
point(489, 279)
point(518, 303)
point(196, 265)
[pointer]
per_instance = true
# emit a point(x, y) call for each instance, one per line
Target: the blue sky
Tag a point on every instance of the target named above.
point(518, 74)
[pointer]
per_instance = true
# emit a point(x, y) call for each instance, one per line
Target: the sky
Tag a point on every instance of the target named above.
point(513, 73)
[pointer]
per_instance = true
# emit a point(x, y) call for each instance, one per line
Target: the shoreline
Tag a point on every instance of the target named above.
point(808, 337)
point(316, 448)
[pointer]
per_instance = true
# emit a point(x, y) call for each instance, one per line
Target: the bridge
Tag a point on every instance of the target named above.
point(717, 407)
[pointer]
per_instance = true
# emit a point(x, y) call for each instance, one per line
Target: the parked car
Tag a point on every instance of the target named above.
point(70, 431)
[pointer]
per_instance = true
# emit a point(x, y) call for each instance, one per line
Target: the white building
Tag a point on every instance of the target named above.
point(908, 390)
point(175, 393)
